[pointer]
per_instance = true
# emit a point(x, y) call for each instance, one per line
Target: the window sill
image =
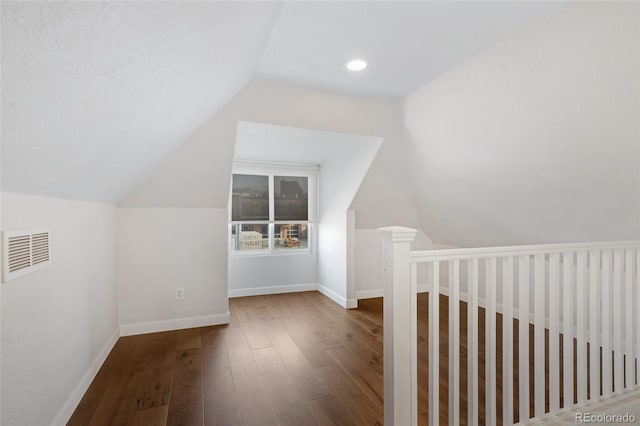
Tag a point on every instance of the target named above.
point(273, 253)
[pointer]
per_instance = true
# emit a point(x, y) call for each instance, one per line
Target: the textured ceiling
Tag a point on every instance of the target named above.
point(96, 94)
point(406, 44)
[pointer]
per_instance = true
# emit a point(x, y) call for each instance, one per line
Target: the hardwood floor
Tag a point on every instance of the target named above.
point(290, 359)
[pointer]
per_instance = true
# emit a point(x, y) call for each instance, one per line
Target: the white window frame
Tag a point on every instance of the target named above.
point(310, 171)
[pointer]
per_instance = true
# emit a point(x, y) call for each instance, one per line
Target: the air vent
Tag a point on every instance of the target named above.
point(24, 251)
point(39, 248)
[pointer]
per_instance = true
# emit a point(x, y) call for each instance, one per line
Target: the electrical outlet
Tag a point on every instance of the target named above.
point(179, 294)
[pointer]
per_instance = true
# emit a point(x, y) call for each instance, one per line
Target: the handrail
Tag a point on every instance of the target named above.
point(483, 252)
point(558, 289)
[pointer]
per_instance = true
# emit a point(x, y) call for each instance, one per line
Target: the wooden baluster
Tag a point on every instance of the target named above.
point(581, 346)
point(454, 342)
point(507, 340)
point(523, 337)
point(629, 320)
point(434, 347)
point(554, 333)
point(490, 336)
point(595, 319)
point(414, 338)
point(538, 333)
point(618, 325)
point(607, 375)
point(473, 365)
point(567, 337)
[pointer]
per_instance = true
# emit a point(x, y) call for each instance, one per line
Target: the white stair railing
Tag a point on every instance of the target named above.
point(400, 325)
point(582, 301)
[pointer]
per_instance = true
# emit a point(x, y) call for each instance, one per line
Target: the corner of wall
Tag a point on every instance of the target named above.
point(154, 258)
point(79, 390)
point(342, 301)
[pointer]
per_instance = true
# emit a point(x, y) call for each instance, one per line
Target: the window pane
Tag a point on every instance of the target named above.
point(252, 237)
point(250, 198)
point(291, 198)
point(293, 236)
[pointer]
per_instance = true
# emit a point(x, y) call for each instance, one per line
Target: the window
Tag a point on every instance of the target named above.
point(272, 208)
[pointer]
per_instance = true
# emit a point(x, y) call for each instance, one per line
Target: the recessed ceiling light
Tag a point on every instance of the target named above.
point(356, 65)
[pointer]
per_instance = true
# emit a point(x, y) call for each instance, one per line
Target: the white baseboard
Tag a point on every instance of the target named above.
point(259, 291)
point(295, 288)
point(78, 392)
point(173, 324)
point(345, 303)
point(369, 294)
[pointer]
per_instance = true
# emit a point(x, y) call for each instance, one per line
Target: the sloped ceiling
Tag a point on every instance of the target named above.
point(96, 94)
point(536, 139)
point(406, 43)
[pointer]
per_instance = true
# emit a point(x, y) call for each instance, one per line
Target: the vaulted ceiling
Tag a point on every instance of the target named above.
point(406, 43)
point(96, 94)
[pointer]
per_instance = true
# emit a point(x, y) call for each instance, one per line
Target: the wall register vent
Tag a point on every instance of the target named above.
point(24, 251)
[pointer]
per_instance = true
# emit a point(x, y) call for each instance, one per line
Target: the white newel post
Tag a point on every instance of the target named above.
point(400, 329)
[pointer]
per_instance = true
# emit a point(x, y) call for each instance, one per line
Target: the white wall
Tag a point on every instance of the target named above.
point(535, 140)
point(262, 149)
point(368, 251)
point(60, 322)
point(161, 249)
point(281, 273)
point(340, 179)
point(198, 174)
point(344, 160)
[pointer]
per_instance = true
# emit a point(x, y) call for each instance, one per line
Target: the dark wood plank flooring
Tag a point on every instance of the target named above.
point(290, 359)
